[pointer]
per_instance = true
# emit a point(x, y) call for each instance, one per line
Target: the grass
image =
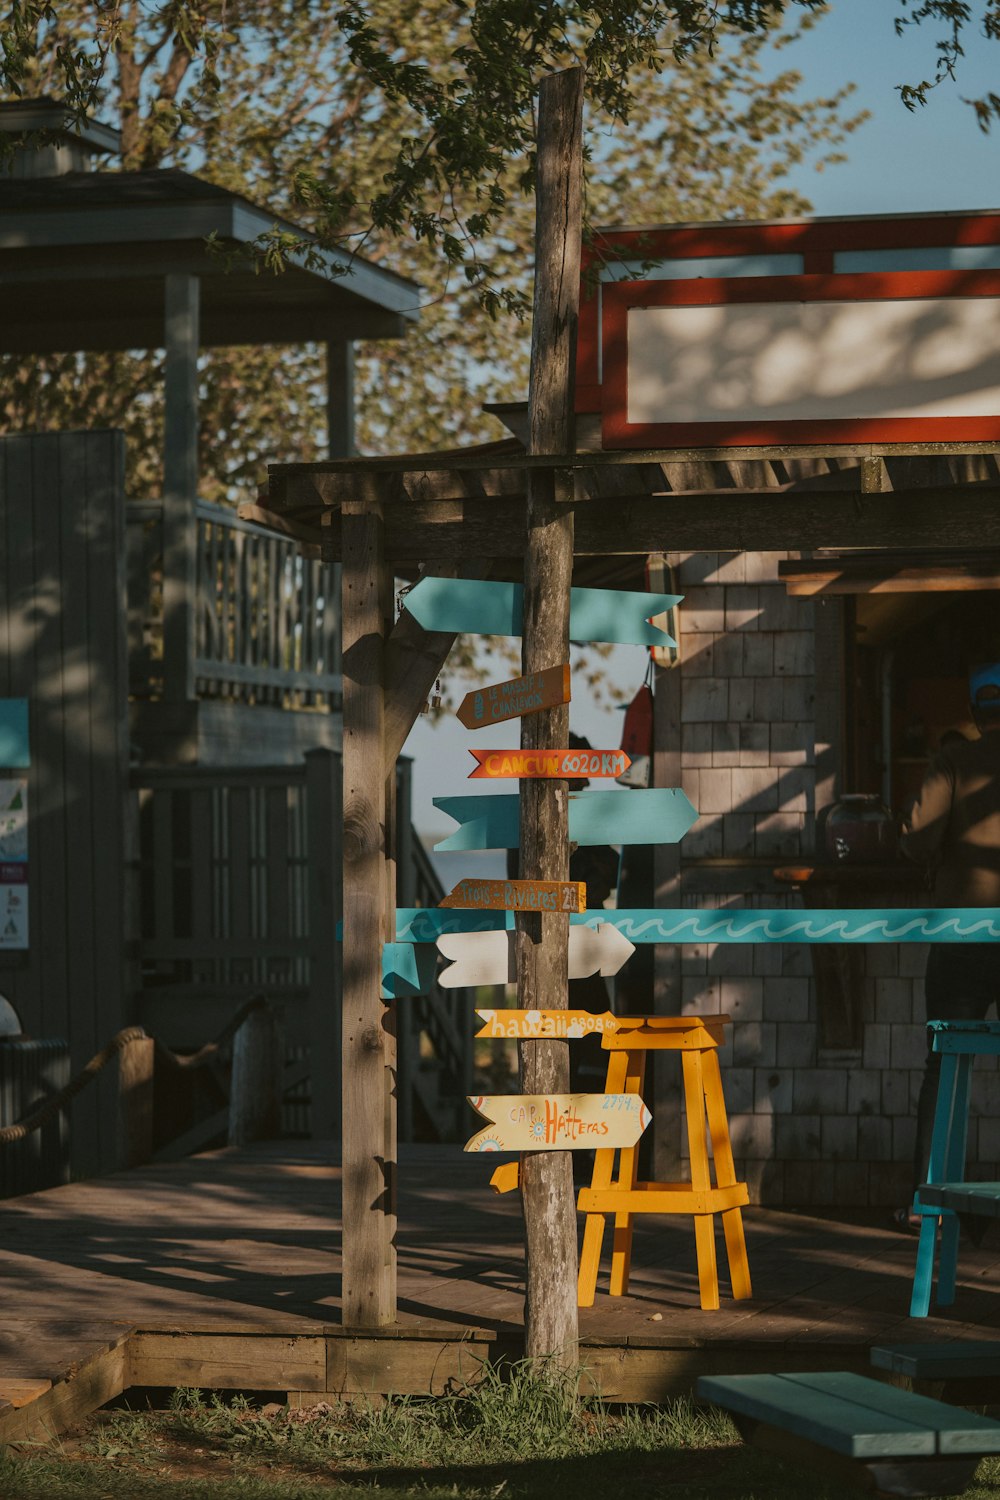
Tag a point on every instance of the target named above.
point(519, 1434)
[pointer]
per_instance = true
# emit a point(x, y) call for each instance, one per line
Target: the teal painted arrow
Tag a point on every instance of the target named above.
point(940, 924)
point(473, 607)
point(658, 815)
point(407, 969)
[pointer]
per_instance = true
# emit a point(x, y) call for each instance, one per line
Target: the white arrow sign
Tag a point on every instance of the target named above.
point(488, 957)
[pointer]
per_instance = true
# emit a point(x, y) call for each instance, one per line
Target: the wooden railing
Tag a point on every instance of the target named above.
point(266, 627)
point(236, 892)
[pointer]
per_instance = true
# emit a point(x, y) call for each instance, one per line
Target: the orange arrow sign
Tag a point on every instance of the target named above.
point(515, 698)
point(565, 764)
point(519, 895)
point(558, 1122)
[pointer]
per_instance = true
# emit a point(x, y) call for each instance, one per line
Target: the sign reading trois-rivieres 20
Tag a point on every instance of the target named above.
point(519, 895)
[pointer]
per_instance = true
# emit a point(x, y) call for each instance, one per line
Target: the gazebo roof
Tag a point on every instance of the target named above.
point(83, 256)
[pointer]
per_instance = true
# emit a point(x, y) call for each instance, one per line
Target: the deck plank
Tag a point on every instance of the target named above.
point(249, 1241)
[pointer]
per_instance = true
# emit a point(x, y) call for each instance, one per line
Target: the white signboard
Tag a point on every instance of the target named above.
point(803, 361)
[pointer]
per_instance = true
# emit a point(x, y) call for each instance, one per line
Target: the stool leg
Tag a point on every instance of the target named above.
point(725, 1176)
point(593, 1232)
point(940, 1157)
point(628, 1175)
point(704, 1224)
point(954, 1167)
point(923, 1275)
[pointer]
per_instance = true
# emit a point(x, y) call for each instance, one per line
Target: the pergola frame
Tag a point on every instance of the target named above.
point(443, 514)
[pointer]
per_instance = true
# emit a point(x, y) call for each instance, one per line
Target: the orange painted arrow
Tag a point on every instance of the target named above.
point(538, 764)
point(515, 698)
point(518, 895)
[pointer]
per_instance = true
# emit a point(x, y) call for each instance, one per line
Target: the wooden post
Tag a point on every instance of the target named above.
point(255, 1086)
point(368, 1040)
point(665, 1081)
point(340, 397)
point(180, 484)
point(551, 1327)
point(135, 1100)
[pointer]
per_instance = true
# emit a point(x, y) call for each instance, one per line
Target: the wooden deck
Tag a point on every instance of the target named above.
point(224, 1271)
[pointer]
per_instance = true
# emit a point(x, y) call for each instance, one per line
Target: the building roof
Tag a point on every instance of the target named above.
point(83, 256)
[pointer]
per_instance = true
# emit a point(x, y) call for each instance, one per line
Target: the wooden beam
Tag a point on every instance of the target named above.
point(368, 1044)
point(710, 520)
point(416, 463)
point(180, 483)
point(542, 939)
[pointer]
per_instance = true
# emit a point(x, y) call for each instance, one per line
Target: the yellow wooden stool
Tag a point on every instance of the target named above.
point(697, 1038)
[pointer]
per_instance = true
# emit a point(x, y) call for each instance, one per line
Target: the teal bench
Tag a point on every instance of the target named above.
point(969, 1360)
point(876, 1436)
point(959, 1043)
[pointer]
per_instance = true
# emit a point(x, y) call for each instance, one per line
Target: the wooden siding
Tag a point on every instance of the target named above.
point(62, 646)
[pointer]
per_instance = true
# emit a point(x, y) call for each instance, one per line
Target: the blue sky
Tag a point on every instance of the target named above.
point(936, 159)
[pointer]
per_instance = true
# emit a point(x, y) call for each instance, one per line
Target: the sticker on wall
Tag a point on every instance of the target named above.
point(13, 906)
point(13, 820)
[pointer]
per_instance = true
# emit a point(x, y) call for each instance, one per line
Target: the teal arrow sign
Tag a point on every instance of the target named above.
point(407, 969)
point(659, 815)
point(944, 924)
point(470, 606)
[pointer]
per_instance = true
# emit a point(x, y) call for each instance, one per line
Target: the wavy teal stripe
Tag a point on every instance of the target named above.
point(955, 924)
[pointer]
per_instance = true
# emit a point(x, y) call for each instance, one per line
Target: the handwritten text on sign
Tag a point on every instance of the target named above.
point(563, 1024)
point(515, 698)
point(558, 1122)
point(537, 764)
point(519, 895)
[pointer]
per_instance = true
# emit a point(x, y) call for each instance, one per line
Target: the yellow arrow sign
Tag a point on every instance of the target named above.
point(558, 1122)
point(541, 1024)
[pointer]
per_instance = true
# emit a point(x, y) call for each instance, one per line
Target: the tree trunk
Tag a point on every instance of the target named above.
point(543, 938)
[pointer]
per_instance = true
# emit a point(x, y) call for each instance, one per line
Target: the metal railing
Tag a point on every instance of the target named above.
point(266, 627)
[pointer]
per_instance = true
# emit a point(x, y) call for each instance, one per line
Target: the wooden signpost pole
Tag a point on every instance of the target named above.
point(551, 1327)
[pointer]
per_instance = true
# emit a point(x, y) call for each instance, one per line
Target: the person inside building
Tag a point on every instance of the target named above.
point(953, 828)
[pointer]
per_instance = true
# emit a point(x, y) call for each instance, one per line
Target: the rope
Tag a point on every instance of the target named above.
point(52, 1106)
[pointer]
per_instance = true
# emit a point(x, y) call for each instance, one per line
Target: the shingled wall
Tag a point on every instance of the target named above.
point(810, 1125)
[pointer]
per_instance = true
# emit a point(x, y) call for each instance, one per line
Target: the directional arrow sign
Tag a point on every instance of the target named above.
point(542, 1024)
point(488, 957)
point(515, 698)
point(654, 816)
point(468, 605)
point(558, 1122)
point(407, 969)
point(518, 895)
point(536, 764)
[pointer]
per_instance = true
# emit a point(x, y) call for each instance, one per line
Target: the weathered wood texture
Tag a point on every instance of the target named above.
point(135, 1100)
point(62, 646)
point(542, 939)
point(233, 1259)
point(767, 520)
point(256, 1081)
point(368, 1038)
